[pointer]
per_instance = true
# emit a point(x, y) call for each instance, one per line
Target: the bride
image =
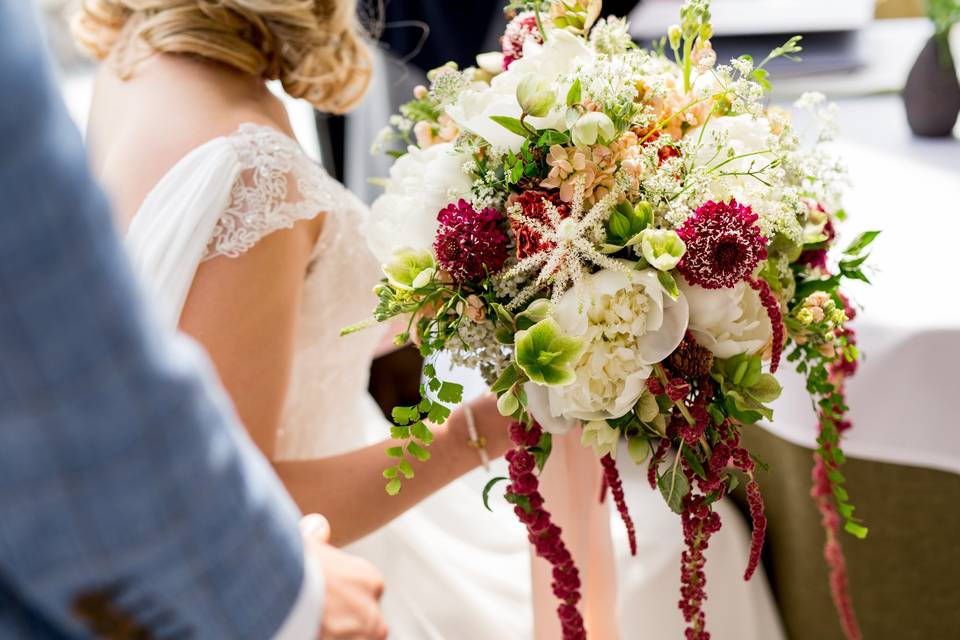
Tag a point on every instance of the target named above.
point(252, 249)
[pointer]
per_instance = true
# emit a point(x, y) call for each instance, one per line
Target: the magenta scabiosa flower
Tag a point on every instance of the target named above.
point(470, 244)
point(724, 245)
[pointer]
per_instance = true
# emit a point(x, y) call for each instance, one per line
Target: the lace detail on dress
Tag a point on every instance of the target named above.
point(278, 186)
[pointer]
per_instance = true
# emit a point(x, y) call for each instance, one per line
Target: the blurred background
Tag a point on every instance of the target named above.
point(897, 105)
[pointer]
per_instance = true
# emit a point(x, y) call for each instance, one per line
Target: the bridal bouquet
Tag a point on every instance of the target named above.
point(627, 242)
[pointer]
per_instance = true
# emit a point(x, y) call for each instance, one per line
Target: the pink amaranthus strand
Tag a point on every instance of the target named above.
point(772, 305)
point(699, 523)
point(611, 479)
point(755, 501)
point(832, 552)
point(543, 534)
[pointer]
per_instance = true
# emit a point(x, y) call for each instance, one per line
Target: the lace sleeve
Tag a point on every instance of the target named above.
point(277, 187)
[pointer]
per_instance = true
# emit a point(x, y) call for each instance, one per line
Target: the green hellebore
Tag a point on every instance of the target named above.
point(410, 268)
point(546, 355)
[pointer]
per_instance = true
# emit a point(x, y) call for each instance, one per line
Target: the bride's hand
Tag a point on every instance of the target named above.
point(492, 428)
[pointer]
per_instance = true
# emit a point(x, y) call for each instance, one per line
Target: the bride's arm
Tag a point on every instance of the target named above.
point(244, 311)
point(349, 488)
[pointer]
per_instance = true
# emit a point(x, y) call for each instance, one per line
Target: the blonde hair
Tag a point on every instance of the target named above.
point(314, 47)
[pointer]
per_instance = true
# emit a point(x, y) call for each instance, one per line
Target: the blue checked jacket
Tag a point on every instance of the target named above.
point(131, 504)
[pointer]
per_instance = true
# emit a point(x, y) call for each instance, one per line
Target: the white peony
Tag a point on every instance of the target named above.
point(551, 62)
point(728, 322)
point(630, 324)
point(421, 184)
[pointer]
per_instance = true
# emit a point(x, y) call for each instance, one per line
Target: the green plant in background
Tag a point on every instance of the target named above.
point(944, 14)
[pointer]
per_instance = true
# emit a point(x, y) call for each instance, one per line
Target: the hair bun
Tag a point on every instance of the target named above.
point(314, 47)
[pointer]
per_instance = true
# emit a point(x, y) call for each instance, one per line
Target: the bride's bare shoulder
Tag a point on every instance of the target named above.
point(140, 127)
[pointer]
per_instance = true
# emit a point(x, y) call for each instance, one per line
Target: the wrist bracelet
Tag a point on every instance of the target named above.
point(476, 441)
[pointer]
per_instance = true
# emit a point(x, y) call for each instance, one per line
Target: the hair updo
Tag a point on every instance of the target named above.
point(313, 47)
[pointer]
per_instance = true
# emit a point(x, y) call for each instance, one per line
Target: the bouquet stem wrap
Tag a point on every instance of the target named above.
point(570, 485)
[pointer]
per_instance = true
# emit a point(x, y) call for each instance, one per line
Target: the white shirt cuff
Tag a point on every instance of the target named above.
point(303, 621)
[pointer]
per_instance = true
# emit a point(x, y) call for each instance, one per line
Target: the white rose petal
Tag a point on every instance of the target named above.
point(728, 322)
point(550, 62)
point(421, 184)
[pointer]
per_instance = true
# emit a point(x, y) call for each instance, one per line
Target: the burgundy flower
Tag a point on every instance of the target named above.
point(724, 245)
point(817, 258)
point(470, 244)
point(755, 500)
point(529, 241)
point(523, 26)
point(542, 533)
point(772, 306)
point(611, 480)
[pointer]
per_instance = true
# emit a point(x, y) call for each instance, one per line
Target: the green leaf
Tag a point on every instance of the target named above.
point(422, 433)
point(694, 463)
point(438, 413)
point(541, 453)
point(418, 452)
point(639, 449)
point(574, 94)
point(767, 389)
point(429, 371)
point(732, 482)
point(393, 487)
point(434, 384)
point(669, 284)
point(550, 137)
point(405, 468)
point(807, 287)
point(401, 415)
point(507, 379)
point(861, 242)
point(390, 473)
point(513, 125)
point(395, 452)
point(399, 433)
point(854, 263)
point(619, 226)
point(674, 486)
point(857, 530)
point(502, 314)
point(450, 392)
point(488, 487)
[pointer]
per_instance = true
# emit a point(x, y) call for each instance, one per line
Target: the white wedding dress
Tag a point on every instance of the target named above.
point(453, 570)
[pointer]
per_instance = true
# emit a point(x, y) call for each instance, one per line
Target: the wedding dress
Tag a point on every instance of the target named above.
point(453, 570)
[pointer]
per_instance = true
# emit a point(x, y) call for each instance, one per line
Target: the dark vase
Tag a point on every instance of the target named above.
point(932, 93)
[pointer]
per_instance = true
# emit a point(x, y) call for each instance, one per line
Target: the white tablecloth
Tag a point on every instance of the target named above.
point(902, 400)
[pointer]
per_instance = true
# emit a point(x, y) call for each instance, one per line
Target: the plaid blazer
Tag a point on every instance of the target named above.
point(131, 503)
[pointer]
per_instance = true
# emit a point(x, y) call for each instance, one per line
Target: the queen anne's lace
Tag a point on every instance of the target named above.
point(278, 186)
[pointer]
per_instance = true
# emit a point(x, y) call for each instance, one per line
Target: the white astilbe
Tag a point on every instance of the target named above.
point(573, 241)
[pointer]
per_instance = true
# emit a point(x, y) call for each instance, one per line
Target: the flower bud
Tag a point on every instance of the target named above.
point(706, 31)
point(662, 248)
point(593, 127)
point(475, 310)
point(410, 269)
point(507, 404)
point(491, 62)
point(805, 316)
point(535, 96)
point(674, 33)
point(419, 92)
